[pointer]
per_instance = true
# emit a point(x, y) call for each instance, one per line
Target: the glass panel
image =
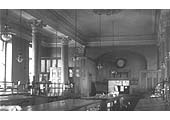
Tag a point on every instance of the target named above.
point(40, 78)
point(42, 65)
point(48, 65)
point(54, 63)
point(53, 74)
point(45, 77)
point(59, 72)
point(59, 62)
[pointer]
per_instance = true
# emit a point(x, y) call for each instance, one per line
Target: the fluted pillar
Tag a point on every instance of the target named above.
point(79, 76)
point(36, 48)
point(64, 60)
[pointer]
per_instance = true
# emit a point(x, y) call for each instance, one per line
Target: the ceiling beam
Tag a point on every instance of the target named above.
point(58, 22)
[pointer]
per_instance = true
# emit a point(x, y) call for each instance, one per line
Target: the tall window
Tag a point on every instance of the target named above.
point(2, 61)
point(9, 62)
point(5, 48)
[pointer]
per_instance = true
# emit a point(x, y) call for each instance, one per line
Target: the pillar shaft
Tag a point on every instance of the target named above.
point(36, 48)
point(64, 59)
point(79, 70)
point(168, 50)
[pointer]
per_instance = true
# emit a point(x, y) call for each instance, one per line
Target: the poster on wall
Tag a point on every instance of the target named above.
point(125, 82)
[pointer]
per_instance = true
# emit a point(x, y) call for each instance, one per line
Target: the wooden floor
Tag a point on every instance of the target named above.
point(152, 104)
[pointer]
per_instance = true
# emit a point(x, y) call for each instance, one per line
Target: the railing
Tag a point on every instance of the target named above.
point(8, 87)
point(38, 88)
point(161, 89)
point(48, 89)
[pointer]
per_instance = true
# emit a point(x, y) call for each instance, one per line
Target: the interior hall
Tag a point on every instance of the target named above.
point(84, 59)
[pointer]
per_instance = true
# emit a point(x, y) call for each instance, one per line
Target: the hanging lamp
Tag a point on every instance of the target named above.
point(20, 56)
point(6, 33)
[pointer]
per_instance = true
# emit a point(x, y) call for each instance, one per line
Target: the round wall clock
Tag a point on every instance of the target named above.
point(120, 63)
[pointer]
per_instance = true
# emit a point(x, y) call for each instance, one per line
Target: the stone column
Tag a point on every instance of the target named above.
point(80, 66)
point(36, 48)
point(64, 60)
point(168, 44)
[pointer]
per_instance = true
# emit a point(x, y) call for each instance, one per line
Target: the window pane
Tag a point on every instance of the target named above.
point(45, 77)
point(54, 63)
point(2, 61)
point(42, 65)
point(48, 65)
point(59, 62)
point(40, 77)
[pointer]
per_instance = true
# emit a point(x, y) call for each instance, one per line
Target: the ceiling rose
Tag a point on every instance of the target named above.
point(106, 11)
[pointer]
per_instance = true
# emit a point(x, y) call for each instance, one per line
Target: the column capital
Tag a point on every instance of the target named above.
point(81, 49)
point(65, 40)
point(36, 24)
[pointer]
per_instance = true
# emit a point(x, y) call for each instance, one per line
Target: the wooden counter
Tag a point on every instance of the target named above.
point(13, 97)
point(152, 104)
point(63, 105)
point(20, 100)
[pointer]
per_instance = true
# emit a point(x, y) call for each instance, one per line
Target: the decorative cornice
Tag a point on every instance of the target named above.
point(65, 41)
point(81, 49)
point(123, 43)
point(45, 44)
point(124, 38)
point(106, 43)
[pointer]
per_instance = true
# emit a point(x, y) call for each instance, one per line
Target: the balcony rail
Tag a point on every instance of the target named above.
point(37, 88)
point(47, 89)
point(8, 87)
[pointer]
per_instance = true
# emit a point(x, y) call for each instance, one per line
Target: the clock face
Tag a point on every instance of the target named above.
point(120, 63)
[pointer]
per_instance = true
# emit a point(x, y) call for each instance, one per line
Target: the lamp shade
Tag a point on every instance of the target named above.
point(6, 36)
